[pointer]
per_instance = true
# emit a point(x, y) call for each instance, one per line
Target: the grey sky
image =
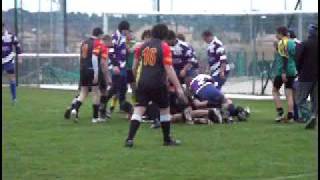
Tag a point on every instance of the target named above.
point(223, 6)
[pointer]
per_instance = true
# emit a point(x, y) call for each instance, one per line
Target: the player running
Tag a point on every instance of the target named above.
point(152, 79)
point(9, 43)
point(217, 59)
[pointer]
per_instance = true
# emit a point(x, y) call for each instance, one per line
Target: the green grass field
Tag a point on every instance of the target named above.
point(39, 144)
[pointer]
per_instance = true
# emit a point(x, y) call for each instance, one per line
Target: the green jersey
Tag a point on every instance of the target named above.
point(286, 50)
point(130, 59)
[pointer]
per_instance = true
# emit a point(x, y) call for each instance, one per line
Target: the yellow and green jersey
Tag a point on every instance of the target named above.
point(286, 50)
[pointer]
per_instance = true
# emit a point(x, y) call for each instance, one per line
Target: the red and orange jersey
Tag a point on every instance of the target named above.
point(99, 48)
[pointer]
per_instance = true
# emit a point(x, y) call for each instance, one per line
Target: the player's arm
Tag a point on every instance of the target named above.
point(223, 60)
point(171, 74)
point(104, 64)
point(17, 46)
point(136, 61)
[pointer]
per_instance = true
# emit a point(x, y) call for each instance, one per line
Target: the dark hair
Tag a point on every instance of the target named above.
point(123, 25)
point(159, 31)
point(291, 34)
point(171, 35)
point(282, 30)
point(97, 31)
point(146, 33)
point(181, 37)
point(206, 33)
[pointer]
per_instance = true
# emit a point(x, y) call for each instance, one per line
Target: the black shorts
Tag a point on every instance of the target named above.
point(102, 82)
point(159, 96)
point(277, 83)
point(130, 77)
point(86, 77)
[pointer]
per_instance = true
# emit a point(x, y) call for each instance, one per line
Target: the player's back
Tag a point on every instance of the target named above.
point(152, 73)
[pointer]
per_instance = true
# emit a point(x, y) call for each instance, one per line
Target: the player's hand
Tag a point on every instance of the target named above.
point(116, 70)
point(183, 73)
point(284, 77)
point(181, 95)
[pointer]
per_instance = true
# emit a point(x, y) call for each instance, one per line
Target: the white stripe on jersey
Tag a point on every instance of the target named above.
point(8, 58)
point(223, 57)
point(220, 50)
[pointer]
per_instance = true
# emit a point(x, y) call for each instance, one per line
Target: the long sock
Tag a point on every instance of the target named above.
point(103, 104)
point(232, 110)
point(134, 126)
point(290, 115)
point(77, 105)
point(165, 126)
point(280, 111)
point(95, 108)
point(13, 88)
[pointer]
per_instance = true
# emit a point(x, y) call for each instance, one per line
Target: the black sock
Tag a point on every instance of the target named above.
point(77, 105)
point(165, 126)
point(290, 115)
point(95, 113)
point(280, 111)
point(134, 125)
point(103, 104)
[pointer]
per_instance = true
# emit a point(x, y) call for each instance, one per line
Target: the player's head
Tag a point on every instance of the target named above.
point(282, 31)
point(146, 35)
point(291, 34)
point(124, 27)
point(181, 37)
point(97, 32)
point(171, 38)
point(312, 30)
point(107, 40)
point(207, 36)
point(159, 31)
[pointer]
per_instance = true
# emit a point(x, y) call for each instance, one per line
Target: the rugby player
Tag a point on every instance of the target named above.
point(286, 73)
point(183, 57)
point(203, 89)
point(93, 59)
point(9, 44)
point(217, 59)
point(152, 81)
point(118, 55)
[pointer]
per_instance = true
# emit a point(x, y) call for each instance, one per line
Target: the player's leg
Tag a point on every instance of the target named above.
point(138, 111)
point(289, 97)
point(10, 70)
point(84, 90)
point(302, 93)
point(161, 97)
point(312, 123)
point(67, 113)
point(277, 83)
point(96, 104)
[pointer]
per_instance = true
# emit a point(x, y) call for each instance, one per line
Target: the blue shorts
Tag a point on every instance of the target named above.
point(211, 93)
point(9, 67)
